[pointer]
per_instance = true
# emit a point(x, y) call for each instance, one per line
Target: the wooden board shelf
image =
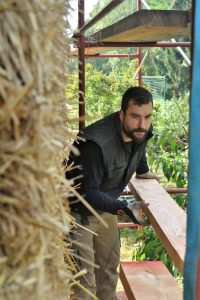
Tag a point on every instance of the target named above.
point(143, 26)
point(165, 215)
point(149, 280)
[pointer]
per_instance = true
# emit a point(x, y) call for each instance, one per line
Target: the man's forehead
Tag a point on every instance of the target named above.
point(134, 104)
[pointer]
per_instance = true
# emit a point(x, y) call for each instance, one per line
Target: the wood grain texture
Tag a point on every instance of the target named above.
point(149, 280)
point(164, 214)
point(143, 26)
point(146, 25)
point(121, 295)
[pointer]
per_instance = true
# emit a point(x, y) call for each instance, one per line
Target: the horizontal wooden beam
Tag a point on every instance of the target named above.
point(164, 214)
point(147, 25)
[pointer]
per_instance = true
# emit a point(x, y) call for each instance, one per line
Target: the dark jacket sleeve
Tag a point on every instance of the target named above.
point(143, 165)
point(90, 174)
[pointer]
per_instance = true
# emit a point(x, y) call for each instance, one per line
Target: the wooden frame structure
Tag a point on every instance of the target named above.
point(163, 25)
point(165, 215)
point(143, 28)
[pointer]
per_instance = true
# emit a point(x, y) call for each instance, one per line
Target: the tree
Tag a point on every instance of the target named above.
point(169, 62)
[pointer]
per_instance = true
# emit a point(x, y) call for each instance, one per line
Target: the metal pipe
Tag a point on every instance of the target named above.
point(99, 16)
point(139, 4)
point(128, 224)
point(145, 4)
point(81, 13)
point(112, 56)
point(89, 44)
point(81, 67)
point(139, 70)
point(177, 190)
point(183, 53)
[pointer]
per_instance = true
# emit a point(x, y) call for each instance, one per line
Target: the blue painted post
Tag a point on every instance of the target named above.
point(193, 218)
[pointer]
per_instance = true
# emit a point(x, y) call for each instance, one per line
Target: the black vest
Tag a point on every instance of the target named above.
point(119, 162)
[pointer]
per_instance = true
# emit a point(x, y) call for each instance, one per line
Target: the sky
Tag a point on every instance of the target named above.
point(73, 16)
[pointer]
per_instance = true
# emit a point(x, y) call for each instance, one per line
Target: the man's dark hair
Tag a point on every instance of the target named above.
point(138, 95)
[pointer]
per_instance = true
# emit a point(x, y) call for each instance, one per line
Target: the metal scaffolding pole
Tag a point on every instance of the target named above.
point(99, 16)
point(81, 66)
point(139, 52)
point(89, 44)
point(112, 56)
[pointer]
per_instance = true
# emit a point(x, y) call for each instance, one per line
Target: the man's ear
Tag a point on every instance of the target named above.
point(121, 115)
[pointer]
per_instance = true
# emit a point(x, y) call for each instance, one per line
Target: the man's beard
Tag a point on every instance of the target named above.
point(131, 134)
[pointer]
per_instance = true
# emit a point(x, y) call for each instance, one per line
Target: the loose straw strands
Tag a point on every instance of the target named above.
point(33, 215)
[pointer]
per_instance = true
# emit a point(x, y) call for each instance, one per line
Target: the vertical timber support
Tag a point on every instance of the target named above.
point(81, 65)
point(139, 6)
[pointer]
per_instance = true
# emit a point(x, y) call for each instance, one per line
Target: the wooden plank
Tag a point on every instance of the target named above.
point(121, 295)
point(146, 25)
point(164, 214)
point(143, 26)
point(149, 280)
point(128, 224)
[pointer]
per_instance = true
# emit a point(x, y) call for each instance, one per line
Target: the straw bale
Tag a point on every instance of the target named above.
point(34, 212)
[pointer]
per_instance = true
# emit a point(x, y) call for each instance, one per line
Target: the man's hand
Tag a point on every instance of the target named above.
point(136, 206)
point(124, 210)
point(148, 175)
point(132, 209)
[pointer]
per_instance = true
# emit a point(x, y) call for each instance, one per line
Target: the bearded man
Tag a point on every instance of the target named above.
point(111, 151)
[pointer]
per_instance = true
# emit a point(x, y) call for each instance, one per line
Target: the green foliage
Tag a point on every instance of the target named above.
point(154, 4)
point(168, 149)
point(169, 4)
point(106, 65)
point(122, 10)
point(181, 200)
point(103, 91)
point(164, 61)
point(169, 62)
point(106, 81)
point(147, 247)
point(182, 4)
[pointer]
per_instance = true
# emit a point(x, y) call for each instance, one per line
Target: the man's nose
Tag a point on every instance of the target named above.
point(142, 123)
